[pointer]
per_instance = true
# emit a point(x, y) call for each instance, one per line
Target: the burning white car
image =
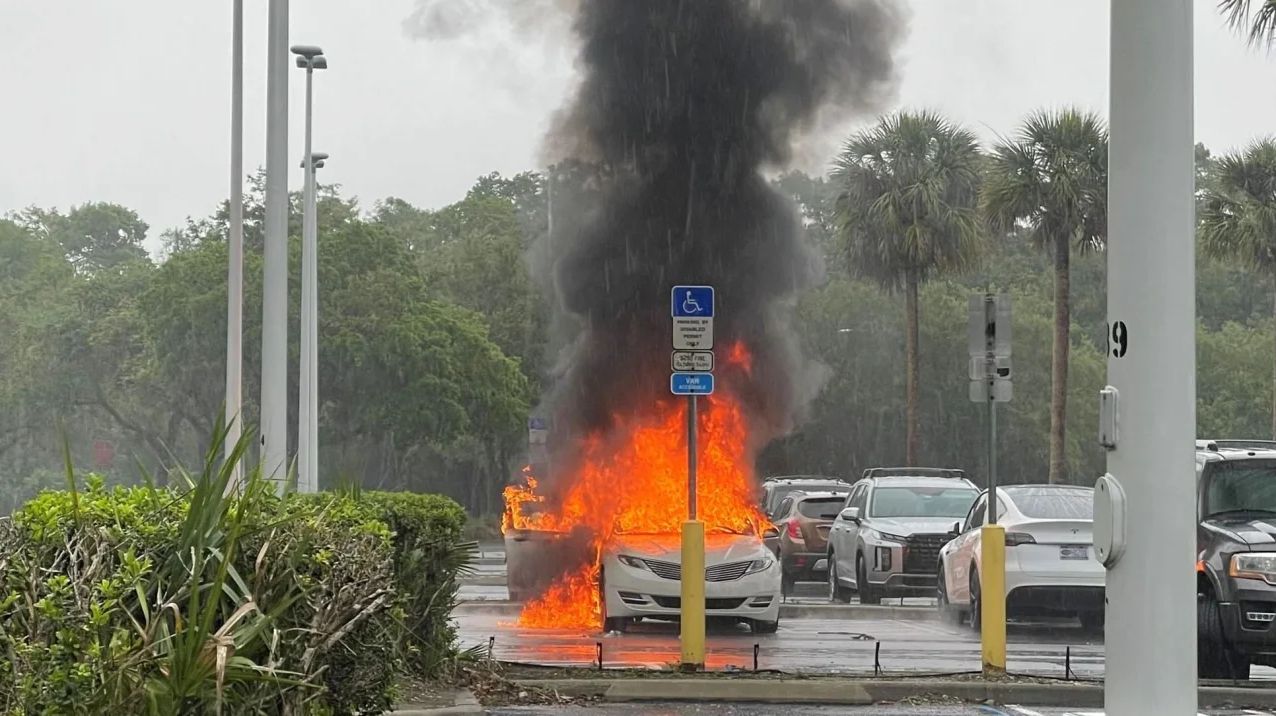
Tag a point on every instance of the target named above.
point(640, 577)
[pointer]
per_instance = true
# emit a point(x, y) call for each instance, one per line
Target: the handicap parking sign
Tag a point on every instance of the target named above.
point(692, 302)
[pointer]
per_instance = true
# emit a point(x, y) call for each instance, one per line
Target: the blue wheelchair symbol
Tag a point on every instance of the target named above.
point(693, 301)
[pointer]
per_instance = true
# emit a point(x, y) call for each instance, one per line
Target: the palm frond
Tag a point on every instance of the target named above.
point(1258, 24)
point(907, 196)
point(1238, 209)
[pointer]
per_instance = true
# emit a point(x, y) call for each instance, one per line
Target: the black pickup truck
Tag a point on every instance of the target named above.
point(1236, 557)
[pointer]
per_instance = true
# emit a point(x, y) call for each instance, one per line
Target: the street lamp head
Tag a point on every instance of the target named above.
point(306, 51)
point(317, 158)
point(319, 63)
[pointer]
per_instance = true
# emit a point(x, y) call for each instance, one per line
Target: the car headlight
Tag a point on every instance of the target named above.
point(883, 536)
point(1253, 565)
point(759, 565)
point(634, 562)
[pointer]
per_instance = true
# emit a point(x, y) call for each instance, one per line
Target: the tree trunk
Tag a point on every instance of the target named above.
point(1059, 361)
point(912, 438)
point(1274, 373)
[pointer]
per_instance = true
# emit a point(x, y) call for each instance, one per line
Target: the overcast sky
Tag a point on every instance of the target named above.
point(127, 101)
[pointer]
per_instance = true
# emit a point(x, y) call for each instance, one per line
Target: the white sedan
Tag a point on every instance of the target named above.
point(641, 576)
point(1050, 565)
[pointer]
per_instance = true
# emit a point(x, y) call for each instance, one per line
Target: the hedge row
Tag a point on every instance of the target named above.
point(158, 601)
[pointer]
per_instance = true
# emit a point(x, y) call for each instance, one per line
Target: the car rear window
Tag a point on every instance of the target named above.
point(825, 508)
point(1053, 503)
point(782, 491)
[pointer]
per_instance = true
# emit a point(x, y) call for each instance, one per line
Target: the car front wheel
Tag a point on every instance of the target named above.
point(837, 593)
point(868, 594)
point(976, 604)
point(1215, 656)
point(764, 627)
point(947, 612)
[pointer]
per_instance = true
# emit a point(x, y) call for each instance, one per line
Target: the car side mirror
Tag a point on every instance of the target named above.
point(851, 514)
point(956, 528)
point(770, 533)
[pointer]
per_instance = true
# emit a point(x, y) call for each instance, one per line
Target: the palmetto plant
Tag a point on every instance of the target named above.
point(1238, 212)
point(907, 210)
point(1052, 180)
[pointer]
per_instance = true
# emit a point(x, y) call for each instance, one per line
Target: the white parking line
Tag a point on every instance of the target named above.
point(1024, 712)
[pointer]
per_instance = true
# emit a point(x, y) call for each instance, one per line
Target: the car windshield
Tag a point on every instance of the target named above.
point(1246, 486)
point(1054, 503)
point(921, 501)
point(824, 508)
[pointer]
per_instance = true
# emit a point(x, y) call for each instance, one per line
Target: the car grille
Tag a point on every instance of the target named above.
point(922, 553)
point(725, 603)
point(717, 573)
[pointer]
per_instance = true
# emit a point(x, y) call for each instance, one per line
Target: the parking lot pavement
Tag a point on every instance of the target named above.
point(769, 709)
point(808, 645)
point(813, 643)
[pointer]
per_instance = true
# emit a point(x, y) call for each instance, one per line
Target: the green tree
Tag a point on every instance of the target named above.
point(1053, 180)
point(907, 211)
point(1238, 213)
point(94, 237)
point(1257, 20)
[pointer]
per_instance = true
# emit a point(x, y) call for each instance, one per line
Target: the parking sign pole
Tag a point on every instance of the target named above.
point(692, 424)
point(692, 310)
point(992, 538)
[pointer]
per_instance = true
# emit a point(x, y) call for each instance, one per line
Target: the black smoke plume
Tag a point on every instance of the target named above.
point(683, 105)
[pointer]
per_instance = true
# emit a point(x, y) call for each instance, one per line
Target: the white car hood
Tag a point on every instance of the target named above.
point(718, 548)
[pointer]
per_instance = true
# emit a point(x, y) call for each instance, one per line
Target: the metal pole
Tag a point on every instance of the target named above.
point(692, 618)
point(992, 538)
point(1151, 642)
point(306, 479)
point(274, 323)
point(235, 271)
point(692, 425)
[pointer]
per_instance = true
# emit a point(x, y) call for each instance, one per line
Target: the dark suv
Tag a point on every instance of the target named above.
point(1236, 556)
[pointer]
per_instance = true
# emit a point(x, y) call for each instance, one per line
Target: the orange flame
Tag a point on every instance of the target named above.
point(635, 480)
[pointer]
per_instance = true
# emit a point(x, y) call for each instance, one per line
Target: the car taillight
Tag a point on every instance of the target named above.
point(794, 531)
point(1018, 538)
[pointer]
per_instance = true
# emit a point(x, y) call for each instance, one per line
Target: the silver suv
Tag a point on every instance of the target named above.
point(886, 540)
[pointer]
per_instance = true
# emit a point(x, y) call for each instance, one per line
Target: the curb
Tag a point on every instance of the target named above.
point(463, 704)
point(787, 611)
point(854, 692)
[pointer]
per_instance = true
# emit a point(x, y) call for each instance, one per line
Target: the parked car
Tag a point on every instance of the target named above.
point(886, 540)
point(803, 520)
point(775, 489)
point(1236, 558)
point(1050, 565)
point(641, 573)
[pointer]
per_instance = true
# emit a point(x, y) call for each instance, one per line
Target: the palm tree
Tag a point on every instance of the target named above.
point(1052, 181)
point(907, 209)
point(1256, 20)
point(1238, 212)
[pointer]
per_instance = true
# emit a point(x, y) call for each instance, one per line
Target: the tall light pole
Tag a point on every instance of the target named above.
point(1149, 416)
point(274, 299)
point(235, 270)
point(309, 58)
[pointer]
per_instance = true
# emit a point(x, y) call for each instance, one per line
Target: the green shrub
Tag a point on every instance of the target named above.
point(155, 601)
point(429, 557)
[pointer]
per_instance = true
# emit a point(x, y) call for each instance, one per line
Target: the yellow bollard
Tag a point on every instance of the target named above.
point(692, 621)
point(992, 595)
